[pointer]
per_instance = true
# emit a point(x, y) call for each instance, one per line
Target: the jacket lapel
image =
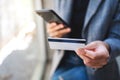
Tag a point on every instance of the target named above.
point(64, 8)
point(92, 8)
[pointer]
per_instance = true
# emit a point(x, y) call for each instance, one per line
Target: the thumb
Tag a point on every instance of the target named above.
point(91, 45)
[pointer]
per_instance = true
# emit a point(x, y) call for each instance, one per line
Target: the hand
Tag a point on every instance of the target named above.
point(95, 54)
point(57, 30)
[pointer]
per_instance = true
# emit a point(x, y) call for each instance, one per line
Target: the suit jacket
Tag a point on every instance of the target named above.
point(102, 22)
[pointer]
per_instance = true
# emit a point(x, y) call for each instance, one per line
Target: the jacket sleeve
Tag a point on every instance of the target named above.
point(113, 39)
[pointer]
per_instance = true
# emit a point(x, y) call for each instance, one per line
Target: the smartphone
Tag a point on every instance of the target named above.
point(51, 16)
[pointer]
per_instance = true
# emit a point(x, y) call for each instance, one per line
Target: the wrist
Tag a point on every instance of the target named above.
point(107, 46)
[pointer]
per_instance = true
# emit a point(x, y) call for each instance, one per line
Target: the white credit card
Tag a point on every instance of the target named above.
point(66, 43)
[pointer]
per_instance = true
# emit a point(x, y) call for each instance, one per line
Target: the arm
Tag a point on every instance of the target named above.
point(114, 36)
point(96, 54)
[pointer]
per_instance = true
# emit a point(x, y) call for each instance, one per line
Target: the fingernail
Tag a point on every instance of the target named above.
point(68, 29)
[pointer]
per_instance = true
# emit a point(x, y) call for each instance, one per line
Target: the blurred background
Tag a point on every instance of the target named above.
point(24, 51)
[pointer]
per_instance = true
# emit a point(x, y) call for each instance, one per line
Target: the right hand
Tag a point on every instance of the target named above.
point(57, 30)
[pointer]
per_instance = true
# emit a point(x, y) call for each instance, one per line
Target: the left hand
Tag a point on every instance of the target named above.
point(95, 54)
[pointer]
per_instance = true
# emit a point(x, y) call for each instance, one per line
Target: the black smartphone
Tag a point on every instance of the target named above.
point(51, 16)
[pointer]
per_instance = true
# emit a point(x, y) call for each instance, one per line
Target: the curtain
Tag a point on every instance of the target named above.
point(18, 20)
point(14, 16)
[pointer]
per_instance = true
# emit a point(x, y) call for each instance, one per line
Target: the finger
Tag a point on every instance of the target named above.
point(51, 26)
point(95, 66)
point(56, 28)
point(61, 32)
point(98, 62)
point(65, 31)
point(90, 62)
point(91, 54)
point(93, 63)
point(80, 52)
point(91, 46)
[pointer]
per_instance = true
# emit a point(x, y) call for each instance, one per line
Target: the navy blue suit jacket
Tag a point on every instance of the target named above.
point(102, 22)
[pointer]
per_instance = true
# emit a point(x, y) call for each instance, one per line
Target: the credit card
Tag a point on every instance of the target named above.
point(66, 43)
